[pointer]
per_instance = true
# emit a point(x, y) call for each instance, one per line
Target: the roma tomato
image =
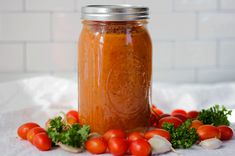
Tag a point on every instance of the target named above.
point(182, 117)
point(114, 133)
point(32, 132)
point(226, 132)
point(196, 124)
point(96, 145)
point(118, 146)
point(24, 129)
point(72, 117)
point(135, 136)
point(208, 131)
point(140, 147)
point(158, 131)
point(42, 141)
point(170, 119)
point(179, 111)
point(192, 114)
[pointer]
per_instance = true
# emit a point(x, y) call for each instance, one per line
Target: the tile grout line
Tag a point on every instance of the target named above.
point(24, 5)
point(75, 5)
point(36, 42)
point(38, 11)
point(217, 54)
point(173, 55)
point(173, 6)
point(78, 11)
point(51, 28)
point(196, 80)
point(218, 7)
point(25, 57)
point(197, 26)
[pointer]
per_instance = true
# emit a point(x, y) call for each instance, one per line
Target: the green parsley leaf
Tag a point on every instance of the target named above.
point(214, 115)
point(72, 135)
point(183, 136)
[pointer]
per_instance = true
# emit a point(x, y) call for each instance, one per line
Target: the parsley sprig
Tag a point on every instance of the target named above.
point(183, 136)
point(72, 135)
point(214, 115)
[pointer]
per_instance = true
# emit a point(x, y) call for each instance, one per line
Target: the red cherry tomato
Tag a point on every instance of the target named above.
point(181, 111)
point(192, 114)
point(114, 133)
point(157, 110)
point(182, 117)
point(140, 147)
point(32, 132)
point(158, 131)
point(226, 132)
point(208, 131)
point(96, 145)
point(153, 106)
point(154, 119)
point(23, 129)
point(42, 141)
point(118, 146)
point(135, 136)
point(170, 119)
point(196, 124)
point(72, 117)
point(164, 115)
point(71, 120)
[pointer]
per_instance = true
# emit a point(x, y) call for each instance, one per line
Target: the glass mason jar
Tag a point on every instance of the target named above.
point(114, 68)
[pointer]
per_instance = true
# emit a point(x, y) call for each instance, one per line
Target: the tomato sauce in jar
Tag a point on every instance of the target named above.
point(114, 68)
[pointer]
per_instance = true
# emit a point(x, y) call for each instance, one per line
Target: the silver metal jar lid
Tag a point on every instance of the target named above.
point(114, 12)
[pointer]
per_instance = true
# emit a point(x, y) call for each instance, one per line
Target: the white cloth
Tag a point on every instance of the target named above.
point(37, 99)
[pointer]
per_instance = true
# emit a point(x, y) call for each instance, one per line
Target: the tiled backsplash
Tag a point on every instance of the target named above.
point(194, 40)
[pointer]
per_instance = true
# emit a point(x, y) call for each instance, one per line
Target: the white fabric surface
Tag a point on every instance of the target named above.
point(37, 99)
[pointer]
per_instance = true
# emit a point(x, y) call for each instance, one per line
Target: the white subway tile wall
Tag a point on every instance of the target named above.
point(173, 26)
point(11, 5)
point(227, 54)
point(25, 27)
point(193, 40)
point(66, 26)
point(50, 57)
point(216, 25)
point(228, 4)
point(194, 54)
point(195, 5)
point(49, 5)
point(11, 58)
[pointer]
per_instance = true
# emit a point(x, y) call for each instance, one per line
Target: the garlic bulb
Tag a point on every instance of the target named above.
point(160, 145)
point(212, 143)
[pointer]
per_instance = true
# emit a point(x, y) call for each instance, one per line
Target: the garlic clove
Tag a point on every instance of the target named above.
point(160, 145)
point(93, 135)
point(212, 143)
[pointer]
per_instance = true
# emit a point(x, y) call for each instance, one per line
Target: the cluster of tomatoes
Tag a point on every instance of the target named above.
point(178, 116)
point(117, 142)
point(37, 135)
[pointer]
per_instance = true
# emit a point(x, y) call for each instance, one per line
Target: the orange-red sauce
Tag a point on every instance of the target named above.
point(114, 74)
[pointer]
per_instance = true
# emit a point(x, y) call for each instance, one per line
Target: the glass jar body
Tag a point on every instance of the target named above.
point(114, 75)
